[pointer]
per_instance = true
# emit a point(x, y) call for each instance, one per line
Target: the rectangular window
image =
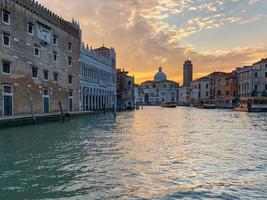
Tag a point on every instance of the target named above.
point(70, 46)
point(70, 79)
point(265, 86)
point(30, 29)
point(55, 56)
point(6, 17)
point(55, 40)
point(6, 39)
point(34, 73)
point(256, 87)
point(46, 75)
point(6, 67)
point(55, 76)
point(207, 94)
point(70, 61)
point(256, 75)
point(266, 65)
point(36, 50)
point(265, 74)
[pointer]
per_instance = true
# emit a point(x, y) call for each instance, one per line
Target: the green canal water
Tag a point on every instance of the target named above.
point(155, 153)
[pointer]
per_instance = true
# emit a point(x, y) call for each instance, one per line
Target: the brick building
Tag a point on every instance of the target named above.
point(226, 86)
point(125, 90)
point(39, 60)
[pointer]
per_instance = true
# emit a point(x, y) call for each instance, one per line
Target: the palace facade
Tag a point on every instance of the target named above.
point(98, 78)
point(39, 60)
point(160, 90)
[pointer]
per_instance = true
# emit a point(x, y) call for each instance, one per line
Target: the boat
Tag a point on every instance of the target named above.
point(208, 104)
point(252, 104)
point(168, 105)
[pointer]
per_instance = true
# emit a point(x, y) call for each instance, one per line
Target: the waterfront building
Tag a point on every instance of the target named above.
point(187, 73)
point(199, 91)
point(184, 97)
point(226, 90)
point(160, 90)
point(212, 82)
point(138, 95)
point(260, 85)
point(247, 76)
point(97, 79)
point(39, 59)
point(125, 90)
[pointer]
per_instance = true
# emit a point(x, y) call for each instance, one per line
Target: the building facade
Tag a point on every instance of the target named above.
point(199, 91)
point(226, 90)
point(184, 96)
point(188, 73)
point(246, 77)
point(97, 79)
point(39, 60)
point(260, 84)
point(160, 90)
point(125, 91)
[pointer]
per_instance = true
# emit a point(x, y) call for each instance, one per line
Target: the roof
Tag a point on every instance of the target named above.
point(263, 60)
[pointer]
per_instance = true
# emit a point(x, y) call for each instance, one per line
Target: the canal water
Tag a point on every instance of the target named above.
point(155, 153)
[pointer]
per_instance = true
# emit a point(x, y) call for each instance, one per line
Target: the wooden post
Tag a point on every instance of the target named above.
point(61, 110)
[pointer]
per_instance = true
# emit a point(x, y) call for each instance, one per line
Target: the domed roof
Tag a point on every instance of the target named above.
point(160, 76)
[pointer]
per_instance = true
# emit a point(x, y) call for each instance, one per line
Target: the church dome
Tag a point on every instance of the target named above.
point(160, 76)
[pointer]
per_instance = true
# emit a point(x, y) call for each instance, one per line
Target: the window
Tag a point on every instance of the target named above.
point(55, 56)
point(256, 87)
point(129, 83)
point(265, 74)
point(70, 61)
point(70, 79)
point(34, 72)
point(6, 39)
point(207, 86)
point(266, 65)
point(55, 76)
point(30, 29)
point(36, 50)
point(207, 94)
point(45, 75)
point(265, 86)
point(6, 67)
point(70, 47)
point(256, 75)
point(227, 93)
point(6, 17)
point(55, 40)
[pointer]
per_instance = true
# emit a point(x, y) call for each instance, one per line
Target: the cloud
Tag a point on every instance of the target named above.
point(149, 33)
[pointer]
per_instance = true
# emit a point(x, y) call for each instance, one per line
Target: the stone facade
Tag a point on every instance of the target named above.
point(199, 91)
point(125, 90)
point(98, 79)
point(39, 60)
point(184, 96)
point(226, 90)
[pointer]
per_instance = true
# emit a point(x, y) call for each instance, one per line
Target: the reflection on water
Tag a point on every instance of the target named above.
point(153, 153)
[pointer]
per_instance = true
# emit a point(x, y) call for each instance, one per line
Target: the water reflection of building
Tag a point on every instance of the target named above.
point(125, 90)
point(98, 75)
point(160, 89)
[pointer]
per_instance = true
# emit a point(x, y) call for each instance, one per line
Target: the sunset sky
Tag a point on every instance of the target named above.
point(215, 34)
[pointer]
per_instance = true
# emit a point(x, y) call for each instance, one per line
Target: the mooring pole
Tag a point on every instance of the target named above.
point(61, 110)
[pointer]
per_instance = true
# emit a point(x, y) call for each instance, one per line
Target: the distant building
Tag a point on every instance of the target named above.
point(160, 90)
point(260, 85)
point(39, 58)
point(199, 91)
point(246, 81)
point(97, 79)
point(138, 95)
point(226, 90)
point(187, 73)
point(184, 96)
point(125, 90)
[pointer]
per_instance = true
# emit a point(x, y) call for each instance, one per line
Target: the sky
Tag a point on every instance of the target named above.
point(217, 35)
